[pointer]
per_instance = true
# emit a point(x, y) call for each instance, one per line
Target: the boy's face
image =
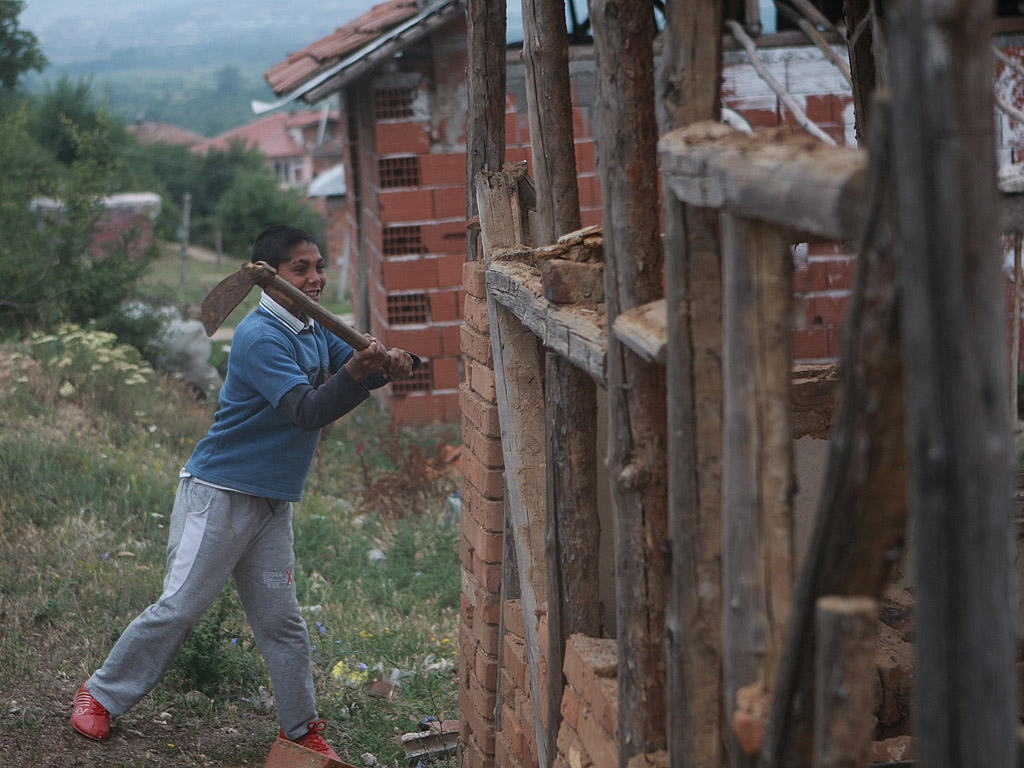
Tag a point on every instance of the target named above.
point(305, 270)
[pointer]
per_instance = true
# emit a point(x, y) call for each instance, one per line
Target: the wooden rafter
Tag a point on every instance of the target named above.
point(755, 61)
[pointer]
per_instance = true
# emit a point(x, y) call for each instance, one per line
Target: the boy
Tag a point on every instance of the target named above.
point(287, 377)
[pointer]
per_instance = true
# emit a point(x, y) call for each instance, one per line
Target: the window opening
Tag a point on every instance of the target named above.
point(403, 240)
point(391, 103)
point(408, 308)
point(399, 172)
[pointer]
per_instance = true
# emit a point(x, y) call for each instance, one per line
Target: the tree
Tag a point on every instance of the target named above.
point(50, 269)
point(255, 202)
point(19, 48)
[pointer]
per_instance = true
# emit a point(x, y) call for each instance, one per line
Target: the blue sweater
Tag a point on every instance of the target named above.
point(252, 446)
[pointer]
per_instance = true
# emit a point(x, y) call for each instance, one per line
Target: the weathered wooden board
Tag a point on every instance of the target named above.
point(774, 175)
point(643, 330)
point(573, 331)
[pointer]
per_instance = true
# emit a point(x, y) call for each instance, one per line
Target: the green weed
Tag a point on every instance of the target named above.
point(90, 474)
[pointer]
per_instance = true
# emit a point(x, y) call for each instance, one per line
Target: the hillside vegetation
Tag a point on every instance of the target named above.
point(90, 448)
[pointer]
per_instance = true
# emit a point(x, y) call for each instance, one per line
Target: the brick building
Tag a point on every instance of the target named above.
point(399, 70)
point(407, 155)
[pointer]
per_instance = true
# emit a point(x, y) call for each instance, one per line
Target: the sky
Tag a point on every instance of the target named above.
point(72, 31)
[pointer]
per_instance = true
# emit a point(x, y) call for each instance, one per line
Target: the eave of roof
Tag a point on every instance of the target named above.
point(328, 64)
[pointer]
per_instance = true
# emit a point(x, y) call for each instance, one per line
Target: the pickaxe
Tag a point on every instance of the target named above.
point(230, 291)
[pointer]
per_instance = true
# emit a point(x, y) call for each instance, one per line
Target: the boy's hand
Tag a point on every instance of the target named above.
point(398, 365)
point(365, 361)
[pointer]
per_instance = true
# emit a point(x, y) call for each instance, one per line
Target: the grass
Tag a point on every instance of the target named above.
point(90, 465)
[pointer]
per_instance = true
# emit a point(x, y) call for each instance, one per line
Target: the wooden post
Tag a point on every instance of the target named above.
point(954, 344)
point(573, 535)
point(689, 91)
point(845, 676)
point(757, 465)
point(519, 384)
point(623, 51)
point(859, 523)
point(863, 73)
point(1018, 239)
point(519, 387)
point(485, 128)
point(573, 532)
point(186, 213)
point(549, 97)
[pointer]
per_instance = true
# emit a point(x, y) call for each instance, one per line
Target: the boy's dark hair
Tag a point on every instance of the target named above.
point(274, 244)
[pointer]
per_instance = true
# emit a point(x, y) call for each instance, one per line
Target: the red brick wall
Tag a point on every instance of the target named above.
point(483, 511)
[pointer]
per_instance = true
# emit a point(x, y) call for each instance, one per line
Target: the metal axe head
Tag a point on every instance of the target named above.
point(229, 292)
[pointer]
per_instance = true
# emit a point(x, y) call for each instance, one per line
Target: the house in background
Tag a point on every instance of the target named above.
point(298, 146)
point(151, 132)
point(399, 70)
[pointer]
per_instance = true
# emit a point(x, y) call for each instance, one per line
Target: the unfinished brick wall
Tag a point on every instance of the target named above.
point(482, 524)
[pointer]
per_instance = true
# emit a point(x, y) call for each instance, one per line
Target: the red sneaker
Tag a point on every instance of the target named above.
point(88, 716)
point(314, 741)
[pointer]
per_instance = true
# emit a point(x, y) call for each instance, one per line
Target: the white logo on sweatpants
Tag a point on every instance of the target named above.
point(277, 579)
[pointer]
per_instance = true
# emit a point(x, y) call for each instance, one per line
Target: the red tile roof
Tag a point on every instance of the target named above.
point(149, 132)
point(270, 135)
point(301, 66)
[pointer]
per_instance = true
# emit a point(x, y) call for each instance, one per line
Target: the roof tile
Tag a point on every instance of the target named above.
point(304, 64)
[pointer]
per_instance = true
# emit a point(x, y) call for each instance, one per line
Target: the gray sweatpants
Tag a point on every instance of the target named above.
point(215, 534)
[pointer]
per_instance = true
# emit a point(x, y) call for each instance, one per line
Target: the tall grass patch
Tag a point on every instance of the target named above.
point(90, 449)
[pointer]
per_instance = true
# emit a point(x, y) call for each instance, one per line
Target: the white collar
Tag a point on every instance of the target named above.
point(295, 324)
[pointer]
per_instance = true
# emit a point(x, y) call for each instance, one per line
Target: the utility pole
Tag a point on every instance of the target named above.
point(186, 213)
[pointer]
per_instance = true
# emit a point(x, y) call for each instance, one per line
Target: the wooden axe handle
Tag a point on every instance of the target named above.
point(265, 276)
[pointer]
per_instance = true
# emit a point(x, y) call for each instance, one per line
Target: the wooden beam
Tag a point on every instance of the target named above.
point(689, 91)
point(519, 390)
point(757, 464)
point(775, 176)
point(795, 109)
point(485, 126)
point(819, 40)
point(519, 381)
point(643, 330)
point(575, 332)
point(954, 341)
point(624, 32)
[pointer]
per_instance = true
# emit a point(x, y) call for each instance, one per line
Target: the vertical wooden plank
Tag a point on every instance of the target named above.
point(485, 126)
point(859, 20)
point(689, 91)
point(954, 344)
point(859, 523)
point(366, 148)
point(623, 51)
point(519, 388)
point(573, 526)
point(519, 384)
point(571, 396)
point(845, 681)
point(1018, 242)
point(549, 98)
point(757, 466)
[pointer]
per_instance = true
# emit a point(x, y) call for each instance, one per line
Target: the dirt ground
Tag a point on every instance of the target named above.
point(34, 733)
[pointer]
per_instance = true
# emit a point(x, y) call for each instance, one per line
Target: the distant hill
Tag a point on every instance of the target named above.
point(191, 63)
